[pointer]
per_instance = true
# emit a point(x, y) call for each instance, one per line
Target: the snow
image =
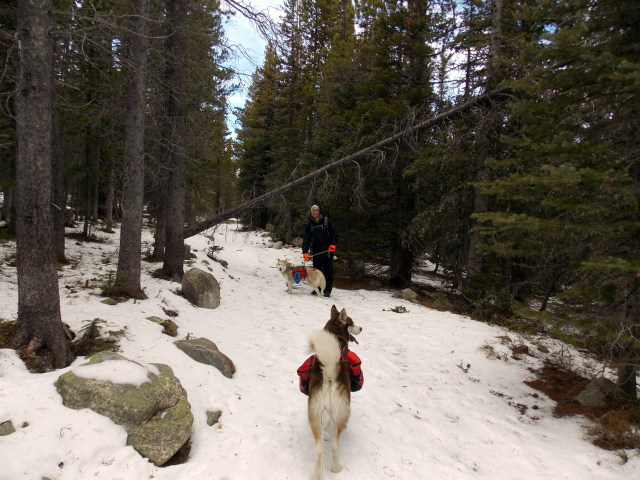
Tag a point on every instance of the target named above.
point(118, 372)
point(435, 404)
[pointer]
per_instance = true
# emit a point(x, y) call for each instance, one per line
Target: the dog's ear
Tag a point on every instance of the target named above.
point(343, 316)
point(334, 312)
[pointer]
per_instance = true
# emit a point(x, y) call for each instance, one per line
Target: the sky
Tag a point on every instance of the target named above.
point(434, 404)
point(249, 49)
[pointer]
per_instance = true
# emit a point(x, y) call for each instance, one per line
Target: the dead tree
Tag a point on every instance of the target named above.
point(267, 197)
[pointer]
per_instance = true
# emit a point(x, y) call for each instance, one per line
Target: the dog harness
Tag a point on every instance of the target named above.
point(348, 358)
point(299, 273)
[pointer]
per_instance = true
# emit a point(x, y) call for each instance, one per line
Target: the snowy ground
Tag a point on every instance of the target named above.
point(434, 404)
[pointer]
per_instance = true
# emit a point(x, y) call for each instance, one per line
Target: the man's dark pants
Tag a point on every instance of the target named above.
point(324, 262)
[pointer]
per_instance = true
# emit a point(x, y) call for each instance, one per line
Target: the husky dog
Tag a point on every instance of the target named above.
point(314, 277)
point(329, 386)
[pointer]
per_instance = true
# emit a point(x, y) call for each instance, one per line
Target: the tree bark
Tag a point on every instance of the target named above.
point(629, 361)
point(129, 258)
point(59, 203)
point(39, 320)
point(110, 203)
point(176, 113)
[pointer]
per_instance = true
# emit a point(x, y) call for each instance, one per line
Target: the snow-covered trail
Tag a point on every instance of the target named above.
point(434, 404)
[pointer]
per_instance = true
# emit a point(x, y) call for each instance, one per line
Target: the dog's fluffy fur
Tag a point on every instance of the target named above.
point(314, 277)
point(329, 387)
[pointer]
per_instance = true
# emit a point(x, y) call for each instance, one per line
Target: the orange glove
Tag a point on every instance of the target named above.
point(305, 256)
point(332, 248)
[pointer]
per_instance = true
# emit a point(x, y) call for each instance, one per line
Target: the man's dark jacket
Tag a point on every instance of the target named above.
point(318, 236)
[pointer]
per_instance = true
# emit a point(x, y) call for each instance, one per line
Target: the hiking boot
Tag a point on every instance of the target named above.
point(327, 294)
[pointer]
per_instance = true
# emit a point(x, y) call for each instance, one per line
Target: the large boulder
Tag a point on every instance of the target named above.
point(201, 288)
point(598, 393)
point(148, 401)
point(205, 351)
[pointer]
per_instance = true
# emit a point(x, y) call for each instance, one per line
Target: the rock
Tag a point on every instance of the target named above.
point(297, 242)
point(156, 413)
point(597, 392)
point(201, 288)
point(442, 305)
point(6, 428)
point(170, 328)
point(155, 319)
point(520, 349)
point(213, 417)
point(408, 294)
point(109, 301)
point(278, 245)
point(205, 351)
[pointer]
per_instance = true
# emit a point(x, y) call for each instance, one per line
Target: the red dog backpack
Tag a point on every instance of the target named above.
point(350, 359)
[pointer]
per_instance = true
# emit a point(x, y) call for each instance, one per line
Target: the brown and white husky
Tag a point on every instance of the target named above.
point(314, 277)
point(329, 387)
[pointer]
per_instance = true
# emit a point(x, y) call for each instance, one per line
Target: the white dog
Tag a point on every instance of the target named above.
point(314, 277)
point(329, 386)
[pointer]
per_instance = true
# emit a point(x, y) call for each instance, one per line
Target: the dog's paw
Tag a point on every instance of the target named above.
point(336, 467)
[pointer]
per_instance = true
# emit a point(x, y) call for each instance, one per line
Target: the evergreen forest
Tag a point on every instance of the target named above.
point(494, 139)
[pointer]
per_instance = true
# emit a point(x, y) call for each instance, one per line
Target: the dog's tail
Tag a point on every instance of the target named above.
point(327, 348)
point(323, 282)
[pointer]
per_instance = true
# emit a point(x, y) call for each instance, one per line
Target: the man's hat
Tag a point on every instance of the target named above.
point(315, 207)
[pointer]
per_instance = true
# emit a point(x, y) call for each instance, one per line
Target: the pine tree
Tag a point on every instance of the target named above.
point(256, 139)
point(568, 205)
point(39, 319)
point(393, 86)
point(129, 259)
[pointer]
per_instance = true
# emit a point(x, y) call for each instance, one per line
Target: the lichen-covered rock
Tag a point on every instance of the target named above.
point(154, 410)
point(169, 327)
point(205, 351)
point(201, 288)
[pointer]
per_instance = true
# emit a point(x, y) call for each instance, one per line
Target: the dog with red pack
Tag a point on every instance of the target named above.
point(328, 378)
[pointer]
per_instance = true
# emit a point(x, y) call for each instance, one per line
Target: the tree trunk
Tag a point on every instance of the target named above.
point(129, 258)
point(629, 361)
point(160, 237)
point(487, 139)
point(39, 320)
point(176, 114)
point(111, 197)
point(58, 206)
point(95, 187)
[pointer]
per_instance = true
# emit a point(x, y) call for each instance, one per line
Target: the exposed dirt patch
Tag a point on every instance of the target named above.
point(615, 426)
